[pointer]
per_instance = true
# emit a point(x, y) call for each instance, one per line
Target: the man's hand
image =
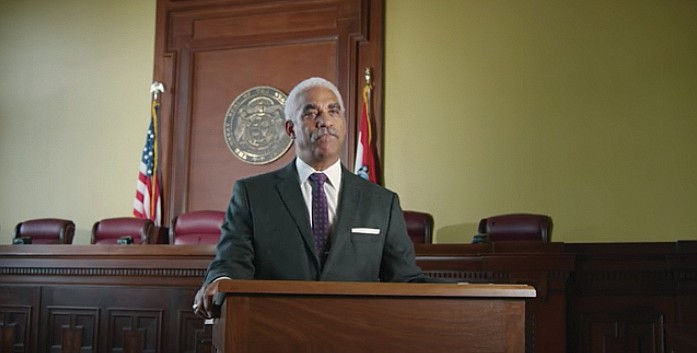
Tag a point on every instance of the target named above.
point(203, 302)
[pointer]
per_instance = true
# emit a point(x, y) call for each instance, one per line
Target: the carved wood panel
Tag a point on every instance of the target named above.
point(622, 297)
point(73, 326)
point(623, 332)
point(137, 331)
point(209, 52)
point(117, 319)
point(192, 336)
point(18, 317)
point(14, 326)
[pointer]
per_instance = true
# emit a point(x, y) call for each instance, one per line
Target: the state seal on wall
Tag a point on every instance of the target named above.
point(254, 126)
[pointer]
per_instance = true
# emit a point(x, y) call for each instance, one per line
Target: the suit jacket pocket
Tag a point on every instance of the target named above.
point(365, 234)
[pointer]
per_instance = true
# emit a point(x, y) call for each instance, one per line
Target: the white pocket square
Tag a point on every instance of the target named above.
point(374, 231)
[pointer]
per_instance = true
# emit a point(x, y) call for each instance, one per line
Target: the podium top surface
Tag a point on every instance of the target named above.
point(329, 288)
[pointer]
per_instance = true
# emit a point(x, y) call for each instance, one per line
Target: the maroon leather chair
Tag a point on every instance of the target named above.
point(110, 230)
point(196, 227)
point(46, 231)
point(517, 226)
point(419, 226)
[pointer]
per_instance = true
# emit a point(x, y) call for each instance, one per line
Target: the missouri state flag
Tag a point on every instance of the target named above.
point(147, 203)
point(366, 166)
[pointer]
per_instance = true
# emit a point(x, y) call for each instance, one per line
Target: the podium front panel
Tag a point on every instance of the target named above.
point(254, 323)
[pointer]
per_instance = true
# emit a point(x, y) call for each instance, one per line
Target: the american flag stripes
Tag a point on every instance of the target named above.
point(148, 203)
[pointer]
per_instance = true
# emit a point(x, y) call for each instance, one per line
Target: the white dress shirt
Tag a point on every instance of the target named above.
point(331, 187)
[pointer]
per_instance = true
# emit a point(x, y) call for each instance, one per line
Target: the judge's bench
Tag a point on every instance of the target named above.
point(588, 297)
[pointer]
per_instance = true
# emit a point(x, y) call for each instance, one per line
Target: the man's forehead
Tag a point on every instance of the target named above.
point(317, 93)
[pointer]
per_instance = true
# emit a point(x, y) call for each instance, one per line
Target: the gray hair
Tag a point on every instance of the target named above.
point(292, 107)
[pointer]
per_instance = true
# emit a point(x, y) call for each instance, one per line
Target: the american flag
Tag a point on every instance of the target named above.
point(147, 203)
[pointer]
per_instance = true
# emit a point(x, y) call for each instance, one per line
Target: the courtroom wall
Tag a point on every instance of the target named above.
point(584, 111)
point(75, 81)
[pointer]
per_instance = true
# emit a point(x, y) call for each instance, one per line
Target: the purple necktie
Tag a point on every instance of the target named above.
point(320, 213)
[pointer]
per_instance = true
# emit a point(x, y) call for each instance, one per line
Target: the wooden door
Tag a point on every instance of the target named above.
point(209, 52)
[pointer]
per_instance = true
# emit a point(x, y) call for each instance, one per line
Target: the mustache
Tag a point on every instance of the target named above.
point(323, 131)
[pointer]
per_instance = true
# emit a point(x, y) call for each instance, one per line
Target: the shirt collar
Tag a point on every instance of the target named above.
point(333, 172)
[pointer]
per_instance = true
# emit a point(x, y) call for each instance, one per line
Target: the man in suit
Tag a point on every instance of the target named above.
point(271, 229)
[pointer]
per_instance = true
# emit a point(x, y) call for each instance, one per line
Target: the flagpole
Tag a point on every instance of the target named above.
point(155, 89)
point(365, 161)
point(367, 89)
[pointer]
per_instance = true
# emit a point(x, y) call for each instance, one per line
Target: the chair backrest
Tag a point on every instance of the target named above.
point(419, 226)
point(46, 231)
point(110, 230)
point(196, 227)
point(517, 226)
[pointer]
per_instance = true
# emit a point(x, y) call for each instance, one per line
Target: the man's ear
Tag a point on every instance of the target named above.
point(290, 128)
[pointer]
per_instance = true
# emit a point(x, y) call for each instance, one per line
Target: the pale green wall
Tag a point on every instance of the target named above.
point(75, 81)
point(585, 110)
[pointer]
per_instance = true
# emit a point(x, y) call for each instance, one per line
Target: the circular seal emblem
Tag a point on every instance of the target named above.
point(253, 128)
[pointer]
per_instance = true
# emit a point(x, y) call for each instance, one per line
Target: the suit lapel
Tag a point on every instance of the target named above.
point(289, 190)
point(349, 199)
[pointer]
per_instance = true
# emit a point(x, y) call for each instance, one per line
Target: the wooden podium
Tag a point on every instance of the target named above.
point(348, 317)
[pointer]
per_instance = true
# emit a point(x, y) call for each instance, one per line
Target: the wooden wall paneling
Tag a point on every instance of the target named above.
point(113, 318)
point(621, 324)
point(86, 298)
point(622, 297)
point(19, 308)
point(193, 335)
point(71, 340)
point(8, 332)
point(370, 55)
point(163, 70)
point(209, 52)
point(684, 265)
point(681, 336)
point(78, 324)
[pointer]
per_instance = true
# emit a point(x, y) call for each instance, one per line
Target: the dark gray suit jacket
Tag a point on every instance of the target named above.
point(267, 234)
